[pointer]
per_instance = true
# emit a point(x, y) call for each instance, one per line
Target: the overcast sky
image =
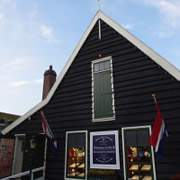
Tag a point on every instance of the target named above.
point(37, 33)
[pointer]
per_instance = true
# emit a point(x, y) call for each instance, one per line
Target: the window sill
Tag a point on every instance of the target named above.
point(104, 119)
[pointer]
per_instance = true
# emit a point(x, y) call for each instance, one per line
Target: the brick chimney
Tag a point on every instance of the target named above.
point(49, 80)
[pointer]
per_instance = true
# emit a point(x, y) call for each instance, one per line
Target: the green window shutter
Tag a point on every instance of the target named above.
point(103, 95)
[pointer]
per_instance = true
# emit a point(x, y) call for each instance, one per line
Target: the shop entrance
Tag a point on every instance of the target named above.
point(26, 158)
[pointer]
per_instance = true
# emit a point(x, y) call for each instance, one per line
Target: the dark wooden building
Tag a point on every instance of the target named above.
point(101, 109)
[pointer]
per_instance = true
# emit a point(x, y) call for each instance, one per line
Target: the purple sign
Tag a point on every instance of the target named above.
point(104, 150)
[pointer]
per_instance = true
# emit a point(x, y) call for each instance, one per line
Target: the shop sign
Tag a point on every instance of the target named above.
point(104, 150)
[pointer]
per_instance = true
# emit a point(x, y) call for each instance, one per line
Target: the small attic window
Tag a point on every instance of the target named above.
point(102, 66)
point(102, 90)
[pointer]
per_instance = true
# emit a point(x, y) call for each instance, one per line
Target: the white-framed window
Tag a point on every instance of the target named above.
point(103, 108)
point(138, 155)
point(76, 155)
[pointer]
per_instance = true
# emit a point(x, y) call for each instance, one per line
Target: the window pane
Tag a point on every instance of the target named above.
point(131, 139)
point(96, 67)
point(107, 64)
point(76, 140)
point(143, 137)
point(76, 155)
point(144, 154)
point(101, 66)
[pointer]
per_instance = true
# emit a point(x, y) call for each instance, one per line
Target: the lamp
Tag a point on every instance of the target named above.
point(32, 143)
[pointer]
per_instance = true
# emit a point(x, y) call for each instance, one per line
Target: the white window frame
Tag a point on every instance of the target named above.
point(86, 144)
point(123, 148)
point(112, 87)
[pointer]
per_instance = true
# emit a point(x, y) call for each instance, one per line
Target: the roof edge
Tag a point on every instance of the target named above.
point(171, 69)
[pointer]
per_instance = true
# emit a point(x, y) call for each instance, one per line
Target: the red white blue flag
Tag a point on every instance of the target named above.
point(159, 132)
point(47, 131)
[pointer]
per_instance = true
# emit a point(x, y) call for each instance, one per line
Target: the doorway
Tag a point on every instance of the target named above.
point(24, 157)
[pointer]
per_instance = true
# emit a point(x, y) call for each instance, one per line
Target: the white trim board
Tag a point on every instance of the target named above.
point(139, 44)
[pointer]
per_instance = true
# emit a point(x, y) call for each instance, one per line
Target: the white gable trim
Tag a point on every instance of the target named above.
point(139, 44)
point(143, 47)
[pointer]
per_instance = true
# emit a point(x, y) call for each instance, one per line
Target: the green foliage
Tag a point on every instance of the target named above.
point(6, 117)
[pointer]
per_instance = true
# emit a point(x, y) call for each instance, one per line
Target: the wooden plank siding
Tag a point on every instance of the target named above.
point(136, 77)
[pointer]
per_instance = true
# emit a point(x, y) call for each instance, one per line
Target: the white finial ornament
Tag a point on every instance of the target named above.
point(98, 5)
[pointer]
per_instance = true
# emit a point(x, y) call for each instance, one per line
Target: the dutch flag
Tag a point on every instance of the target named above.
point(47, 131)
point(159, 132)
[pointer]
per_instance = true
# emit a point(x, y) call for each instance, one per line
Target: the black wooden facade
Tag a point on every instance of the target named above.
point(136, 77)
